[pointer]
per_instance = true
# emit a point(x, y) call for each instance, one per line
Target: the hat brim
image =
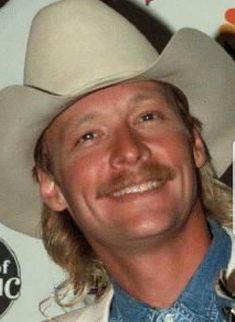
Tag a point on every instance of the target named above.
point(191, 61)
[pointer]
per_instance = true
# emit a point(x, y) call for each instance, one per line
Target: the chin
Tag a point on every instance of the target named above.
point(154, 228)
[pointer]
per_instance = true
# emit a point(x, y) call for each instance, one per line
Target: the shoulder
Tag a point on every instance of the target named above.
point(95, 312)
point(73, 316)
point(231, 264)
point(224, 285)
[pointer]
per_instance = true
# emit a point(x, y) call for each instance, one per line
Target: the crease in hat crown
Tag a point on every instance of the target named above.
point(68, 36)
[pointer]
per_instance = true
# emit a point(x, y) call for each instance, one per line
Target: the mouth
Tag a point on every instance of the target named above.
point(137, 188)
point(148, 178)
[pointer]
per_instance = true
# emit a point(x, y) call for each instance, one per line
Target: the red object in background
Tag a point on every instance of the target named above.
point(227, 33)
point(230, 15)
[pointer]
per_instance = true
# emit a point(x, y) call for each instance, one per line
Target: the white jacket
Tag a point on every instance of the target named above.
point(99, 311)
point(96, 312)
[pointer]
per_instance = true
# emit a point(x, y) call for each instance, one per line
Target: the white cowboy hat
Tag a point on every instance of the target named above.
point(77, 46)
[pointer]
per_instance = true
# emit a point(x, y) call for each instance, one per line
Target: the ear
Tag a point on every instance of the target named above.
point(50, 191)
point(199, 150)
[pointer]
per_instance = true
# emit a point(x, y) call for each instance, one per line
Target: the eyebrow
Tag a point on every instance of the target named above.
point(151, 95)
point(139, 98)
point(86, 118)
point(69, 126)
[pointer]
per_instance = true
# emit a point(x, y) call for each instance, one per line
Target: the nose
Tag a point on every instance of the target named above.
point(128, 149)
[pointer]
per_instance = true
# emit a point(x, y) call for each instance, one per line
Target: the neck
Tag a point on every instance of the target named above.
point(164, 266)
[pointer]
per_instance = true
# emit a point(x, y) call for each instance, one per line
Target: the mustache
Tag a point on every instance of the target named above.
point(147, 172)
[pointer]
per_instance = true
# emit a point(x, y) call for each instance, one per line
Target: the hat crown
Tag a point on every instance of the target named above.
point(77, 43)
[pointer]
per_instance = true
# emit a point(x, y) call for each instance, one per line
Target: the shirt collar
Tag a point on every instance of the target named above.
point(199, 292)
point(198, 296)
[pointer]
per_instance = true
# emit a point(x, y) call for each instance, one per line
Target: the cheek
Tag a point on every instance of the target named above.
point(183, 160)
point(174, 146)
point(181, 156)
point(175, 150)
point(81, 176)
point(181, 153)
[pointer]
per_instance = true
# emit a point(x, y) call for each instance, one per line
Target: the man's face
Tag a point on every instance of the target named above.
point(124, 164)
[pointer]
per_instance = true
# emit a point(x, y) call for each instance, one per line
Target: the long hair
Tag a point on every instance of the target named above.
point(67, 245)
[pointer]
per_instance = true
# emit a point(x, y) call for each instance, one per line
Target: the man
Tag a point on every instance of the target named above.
point(132, 207)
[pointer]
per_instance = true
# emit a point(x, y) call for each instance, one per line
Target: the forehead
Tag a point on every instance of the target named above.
point(130, 92)
point(118, 96)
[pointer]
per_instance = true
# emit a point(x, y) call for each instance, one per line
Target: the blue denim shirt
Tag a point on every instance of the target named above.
point(198, 301)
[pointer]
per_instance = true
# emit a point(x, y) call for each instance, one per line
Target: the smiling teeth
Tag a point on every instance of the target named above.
point(138, 188)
